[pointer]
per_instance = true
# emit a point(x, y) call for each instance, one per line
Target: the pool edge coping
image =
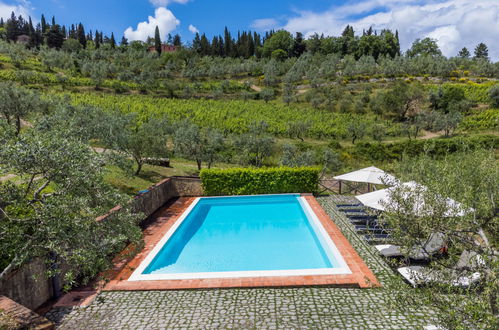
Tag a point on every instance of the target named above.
point(361, 275)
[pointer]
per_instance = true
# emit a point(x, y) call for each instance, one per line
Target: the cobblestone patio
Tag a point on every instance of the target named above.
point(262, 308)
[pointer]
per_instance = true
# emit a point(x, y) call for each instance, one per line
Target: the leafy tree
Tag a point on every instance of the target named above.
point(71, 46)
point(356, 130)
point(424, 47)
point(402, 100)
point(293, 157)
point(255, 145)
point(287, 93)
point(494, 96)
point(141, 140)
point(18, 103)
point(481, 51)
point(470, 178)
point(267, 94)
point(446, 122)
point(201, 145)
point(52, 215)
point(97, 70)
point(298, 129)
point(271, 73)
point(282, 40)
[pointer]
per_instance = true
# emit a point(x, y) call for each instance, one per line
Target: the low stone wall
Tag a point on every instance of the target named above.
point(28, 284)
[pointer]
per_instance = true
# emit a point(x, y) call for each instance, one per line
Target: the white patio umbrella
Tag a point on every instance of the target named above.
point(371, 174)
point(380, 198)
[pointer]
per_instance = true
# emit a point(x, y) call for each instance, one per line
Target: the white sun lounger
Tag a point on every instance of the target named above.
point(419, 275)
point(435, 243)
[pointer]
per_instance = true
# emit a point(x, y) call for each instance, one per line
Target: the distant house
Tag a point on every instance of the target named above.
point(164, 48)
point(23, 39)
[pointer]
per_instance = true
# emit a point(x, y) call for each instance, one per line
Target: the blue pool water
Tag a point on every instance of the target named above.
point(254, 233)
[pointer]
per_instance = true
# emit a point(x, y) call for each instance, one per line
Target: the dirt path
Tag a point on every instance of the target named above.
point(7, 177)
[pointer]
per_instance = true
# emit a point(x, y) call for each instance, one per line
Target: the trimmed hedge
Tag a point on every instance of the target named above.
point(435, 147)
point(253, 181)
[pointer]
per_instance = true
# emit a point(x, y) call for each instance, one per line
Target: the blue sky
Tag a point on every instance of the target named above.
point(454, 23)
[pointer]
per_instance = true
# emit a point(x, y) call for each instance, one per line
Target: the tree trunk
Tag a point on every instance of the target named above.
point(18, 125)
point(139, 167)
point(199, 164)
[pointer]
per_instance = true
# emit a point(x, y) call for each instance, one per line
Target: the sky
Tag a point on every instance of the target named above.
point(453, 23)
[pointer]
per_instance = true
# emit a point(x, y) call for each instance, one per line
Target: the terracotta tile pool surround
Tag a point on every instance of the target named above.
point(164, 219)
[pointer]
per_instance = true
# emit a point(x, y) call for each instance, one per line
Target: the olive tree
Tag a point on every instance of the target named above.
point(52, 215)
point(415, 212)
point(142, 139)
point(293, 157)
point(18, 103)
point(199, 144)
point(255, 145)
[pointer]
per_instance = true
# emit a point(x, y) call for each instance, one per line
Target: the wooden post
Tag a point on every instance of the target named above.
point(340, 187)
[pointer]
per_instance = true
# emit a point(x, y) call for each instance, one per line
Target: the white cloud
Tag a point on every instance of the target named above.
point(193, 29)
point(454, 23)
point(21, 8)
point(163, 19)
point(164, 3)
point(264, 24)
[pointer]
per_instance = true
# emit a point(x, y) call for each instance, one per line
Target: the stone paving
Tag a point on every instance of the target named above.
point(258, 308)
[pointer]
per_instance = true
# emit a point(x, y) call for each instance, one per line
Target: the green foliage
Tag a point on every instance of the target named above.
point(250, 181)
point(435, 147)
point(494, 96)
point(201, 145)
point(424, 47)
point(228, 116)
point(281, 40)
point(484, 120)
point(472, 179)
point(54, 211)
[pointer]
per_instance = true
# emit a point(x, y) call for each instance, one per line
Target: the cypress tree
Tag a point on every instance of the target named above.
point(64, 32)
point(55, 38)
point(97, 39)
point(43, 24)
point(112, 41)
point(2, 24)
point(205, 45)
point(32, 34)
point(157, 40)
point(12, 28)
point(53, 20)
point(124, 41)
point(227, 42)
point(80, 35)
point(196, 43)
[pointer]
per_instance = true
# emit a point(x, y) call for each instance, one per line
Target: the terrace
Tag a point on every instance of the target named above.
point(310, 306)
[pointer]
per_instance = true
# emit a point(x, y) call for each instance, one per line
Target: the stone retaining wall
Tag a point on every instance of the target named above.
point(28, 285)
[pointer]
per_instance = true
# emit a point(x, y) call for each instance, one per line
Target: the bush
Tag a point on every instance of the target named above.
point(253, 181)
point(434, 147)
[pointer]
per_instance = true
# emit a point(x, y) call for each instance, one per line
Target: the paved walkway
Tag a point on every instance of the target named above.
point(262, 308)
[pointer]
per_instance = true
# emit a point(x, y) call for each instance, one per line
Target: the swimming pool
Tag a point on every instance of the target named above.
point(243, 236)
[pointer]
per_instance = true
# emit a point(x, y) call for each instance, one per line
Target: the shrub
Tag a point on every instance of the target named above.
point(252, 181)
point(434, 147)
